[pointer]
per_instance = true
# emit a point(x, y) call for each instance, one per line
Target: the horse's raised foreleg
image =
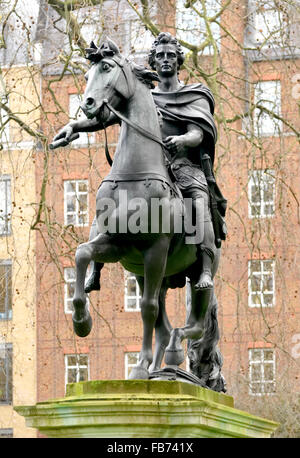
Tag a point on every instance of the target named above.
point(101, 249)
point(155, 259)
point(82, 321)
point(93, 282)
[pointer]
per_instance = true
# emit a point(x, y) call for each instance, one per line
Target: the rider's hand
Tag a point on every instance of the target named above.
point(176, 144)
point(65, 133)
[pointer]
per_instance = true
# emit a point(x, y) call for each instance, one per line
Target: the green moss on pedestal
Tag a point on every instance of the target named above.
point(143, 408)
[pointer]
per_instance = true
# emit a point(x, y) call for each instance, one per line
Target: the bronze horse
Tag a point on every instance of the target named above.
point(117, 88)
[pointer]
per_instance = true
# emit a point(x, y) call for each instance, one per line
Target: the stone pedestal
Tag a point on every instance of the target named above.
point(143, 409)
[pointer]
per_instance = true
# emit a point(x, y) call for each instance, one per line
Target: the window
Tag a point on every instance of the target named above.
point(70, 277)
point(261, 283)
point(5, 205)
point(76, 368)
point(5, 290)
point(6, 433)
point(261, 193)
point(261, 371)
point(132, 293)
point(191, 27)
point(5, 373)
point(76, 202)
point(267, 94)
point(141, 40)
point(76, 113)
point(4, 124)
point(269, 24)
point(131, 360)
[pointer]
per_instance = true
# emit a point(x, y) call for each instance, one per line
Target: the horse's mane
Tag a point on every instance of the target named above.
point(144, 75)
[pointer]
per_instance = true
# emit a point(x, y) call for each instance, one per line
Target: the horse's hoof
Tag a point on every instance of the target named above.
point(82, 328)
point(138, 373)
point(174, 354)
point(174, 357)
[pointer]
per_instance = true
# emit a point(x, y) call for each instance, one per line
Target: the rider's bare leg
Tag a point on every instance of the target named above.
point(207, 248)
point(93, 282)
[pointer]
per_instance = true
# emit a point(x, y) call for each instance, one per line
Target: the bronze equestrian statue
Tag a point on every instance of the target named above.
point(165, 152)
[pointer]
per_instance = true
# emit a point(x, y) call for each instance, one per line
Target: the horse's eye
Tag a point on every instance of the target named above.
point(106, 67)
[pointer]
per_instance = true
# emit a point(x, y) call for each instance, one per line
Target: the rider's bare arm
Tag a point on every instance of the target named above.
point(179, 144)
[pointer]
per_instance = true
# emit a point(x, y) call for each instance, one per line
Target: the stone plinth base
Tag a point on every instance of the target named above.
point(143, 409)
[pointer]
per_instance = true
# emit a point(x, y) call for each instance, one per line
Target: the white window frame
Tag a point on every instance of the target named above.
point(264, 23)
point(76, 113)
point(77, 366)
point(129, 366)
point(7, 315)
point(140, 39)
point(5, 133)
point(5, 206)
point(7, 355)
point(76, 193)
point(268, 95)
point(68, 304)
point(186, 17)
point(128, 276)
point(261, 179)
point(262, 363)
point(261, 274)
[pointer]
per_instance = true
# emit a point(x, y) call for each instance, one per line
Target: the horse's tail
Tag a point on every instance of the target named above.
point(205, 358)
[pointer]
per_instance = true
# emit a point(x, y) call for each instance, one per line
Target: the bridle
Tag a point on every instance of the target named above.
point(124, 66)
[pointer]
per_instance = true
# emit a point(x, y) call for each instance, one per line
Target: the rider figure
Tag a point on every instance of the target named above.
point(189, 133)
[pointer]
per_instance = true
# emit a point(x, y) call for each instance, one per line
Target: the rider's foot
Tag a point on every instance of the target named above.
point(93, 282)
point(204, 282)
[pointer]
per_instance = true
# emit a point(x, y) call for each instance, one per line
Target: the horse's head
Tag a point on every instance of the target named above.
point(108, 79)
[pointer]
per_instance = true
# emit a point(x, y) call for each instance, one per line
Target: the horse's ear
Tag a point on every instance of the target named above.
point(112, 45)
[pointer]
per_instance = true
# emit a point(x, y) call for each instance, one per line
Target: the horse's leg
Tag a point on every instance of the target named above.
point(195, 323)
point(93, 282)
point(155, 259)
point(100, 249)
point(162, 331)
point(194, 327)
point(82, 321)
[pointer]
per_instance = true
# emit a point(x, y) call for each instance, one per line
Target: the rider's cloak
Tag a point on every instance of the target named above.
point(184, 105)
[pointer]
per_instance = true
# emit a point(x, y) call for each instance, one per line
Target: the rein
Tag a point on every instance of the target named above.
point(139, 129)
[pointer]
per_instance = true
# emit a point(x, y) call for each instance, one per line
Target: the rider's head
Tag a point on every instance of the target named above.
point(163, 45)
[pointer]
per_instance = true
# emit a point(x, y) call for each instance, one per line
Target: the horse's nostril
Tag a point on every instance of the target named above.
point(90, 101)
